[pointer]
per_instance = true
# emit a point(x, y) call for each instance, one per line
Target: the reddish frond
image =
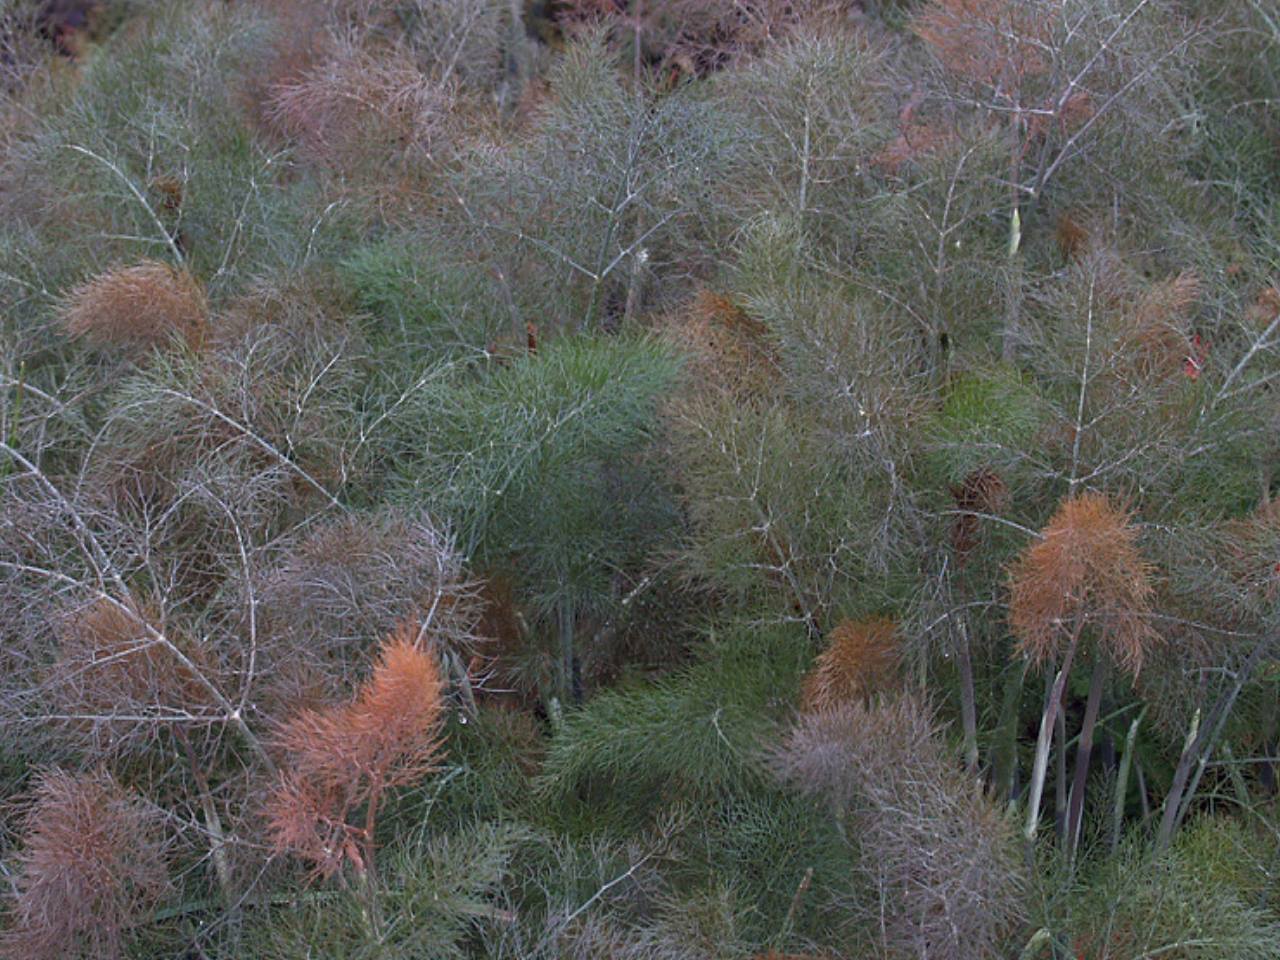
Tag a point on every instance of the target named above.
point(92, 867)
point(1158, 341)
point(344, 757)
point(354, 98)
point(1085, 568)
point(397, 715)
point(861, 659)
point(729, 350)
point(1074, 238)
point(307, 821)
point(1254, 561)
point(982, 491)
point(1265, 307)
point(323, 749)
point(994, 42)
point(941, 853)
point(113, 660)
point(1170, 299)
point(145, 305)
point(916, 139)
point(357, 577)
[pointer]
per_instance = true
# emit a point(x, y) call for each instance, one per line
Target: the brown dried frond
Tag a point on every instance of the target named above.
point(1265, 307)
point(500, 670)
point(1085, 569)
point(1254, 558)
point(692, 38)
point(309, 822)
point(92, 868)
point(1074, 238)
point(345, 756)
point(389, 730)
point(730, 350)
point(941, 853)
point(1155, 341)
point(915, 139)
point(1170, 299)
point(148, 304)
point(298, 39)
point(861, 659)
point(171, 191)
point(982, 491)
point(396, 718)
point(354, 101)
point(112, 668)
point(354, 579)
point(998, 43)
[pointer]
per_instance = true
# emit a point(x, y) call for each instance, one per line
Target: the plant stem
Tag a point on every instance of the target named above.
point(565, 620)
point(1060, 776)
point(968, 700)
point(1084, 750)
point(212, 822)
point(1200, 742)
point(1122, 779)
point(1006, 761)
point(1047, 719)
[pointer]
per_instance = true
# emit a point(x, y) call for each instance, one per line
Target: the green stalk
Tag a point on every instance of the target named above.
point(1122, 779)
point(15, 418)
point(1006, 761)
point(1044, 741)
point(565, 620)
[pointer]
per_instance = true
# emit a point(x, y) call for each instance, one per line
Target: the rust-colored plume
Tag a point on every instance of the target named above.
point(729, 350)
point(343, 758)
point(145, 305)
point(110, 666)
point(995, 42)
point(861, 658)
point(1085, 569)
point(92, 867)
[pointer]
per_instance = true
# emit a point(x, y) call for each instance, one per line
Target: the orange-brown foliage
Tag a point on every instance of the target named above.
point(1158, 342)
point(145, 305)
point(915, 139)
point(345, 757)
point(1254, 561)
point(861, 658)
point(91, 868)
point(353, 100)
point(729, 349)
point(1074, 238)
point(982, 491)
point(1085, 568)
point(994, 42)
point(298, 38)
point(109, 664)
point(1265, 307)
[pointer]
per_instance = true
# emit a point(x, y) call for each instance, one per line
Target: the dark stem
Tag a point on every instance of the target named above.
point(1006, 761)
point(1084, 750)
point(565, 620)
point(1196, 754)
point(968, 700)
point(1060, 775)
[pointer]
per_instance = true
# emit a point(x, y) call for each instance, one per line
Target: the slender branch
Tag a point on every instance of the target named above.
point(138, 195)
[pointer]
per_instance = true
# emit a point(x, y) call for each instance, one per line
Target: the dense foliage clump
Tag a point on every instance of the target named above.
point(646, 479)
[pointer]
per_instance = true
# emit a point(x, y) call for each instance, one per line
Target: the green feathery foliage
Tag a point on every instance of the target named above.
point(421, 304)
point(539, 464)
point(1176, 905)
point(691, 735)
